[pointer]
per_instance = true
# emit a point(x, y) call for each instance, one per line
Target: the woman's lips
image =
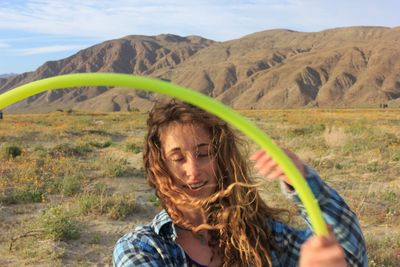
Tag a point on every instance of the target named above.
point(195, 186)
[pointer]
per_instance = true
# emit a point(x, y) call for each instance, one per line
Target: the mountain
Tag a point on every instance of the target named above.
point(7, 75)
point(342, 67)
point(139, 55)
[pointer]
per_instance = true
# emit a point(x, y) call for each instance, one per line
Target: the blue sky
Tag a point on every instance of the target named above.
point(35, 31)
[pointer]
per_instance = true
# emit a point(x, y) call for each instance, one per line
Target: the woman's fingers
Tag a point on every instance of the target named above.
point(266, 166)
point(277, 174)
point(322, 251)
point(257, 154)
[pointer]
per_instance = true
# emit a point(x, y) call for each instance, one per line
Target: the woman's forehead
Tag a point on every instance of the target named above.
point(179, 134)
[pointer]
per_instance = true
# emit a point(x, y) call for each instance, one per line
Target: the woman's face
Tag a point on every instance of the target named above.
point(189, 157)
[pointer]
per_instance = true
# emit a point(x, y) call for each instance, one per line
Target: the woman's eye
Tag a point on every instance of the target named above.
point(177, 159)
point(202, 155)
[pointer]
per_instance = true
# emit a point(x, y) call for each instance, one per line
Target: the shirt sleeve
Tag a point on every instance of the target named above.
point(335, 212)
point(135, 252)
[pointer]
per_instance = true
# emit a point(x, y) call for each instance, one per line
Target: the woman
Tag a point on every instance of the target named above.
point(212, 212)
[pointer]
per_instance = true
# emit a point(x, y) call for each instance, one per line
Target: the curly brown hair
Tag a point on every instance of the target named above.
point(236, 214)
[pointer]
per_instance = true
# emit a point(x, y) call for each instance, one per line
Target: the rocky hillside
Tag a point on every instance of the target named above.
point(344, 67)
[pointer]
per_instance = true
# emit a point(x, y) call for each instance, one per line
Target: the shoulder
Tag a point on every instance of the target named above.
point(147, 245)
point(141, 234)
point(285, 234)
point(137, 247)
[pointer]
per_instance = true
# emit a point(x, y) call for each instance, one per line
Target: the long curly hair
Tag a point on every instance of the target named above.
point(235, 214)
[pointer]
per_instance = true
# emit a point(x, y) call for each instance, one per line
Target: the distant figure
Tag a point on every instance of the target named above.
point(1, 115)
point(380, 105)
point(385, 105)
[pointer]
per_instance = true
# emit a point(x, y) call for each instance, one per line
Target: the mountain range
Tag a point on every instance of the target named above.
point(341, 67)
point(7, 75)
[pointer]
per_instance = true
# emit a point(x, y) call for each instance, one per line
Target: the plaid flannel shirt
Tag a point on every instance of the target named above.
point(154, 244)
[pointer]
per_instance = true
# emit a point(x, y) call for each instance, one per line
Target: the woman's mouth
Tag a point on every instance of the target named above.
point(196, 186)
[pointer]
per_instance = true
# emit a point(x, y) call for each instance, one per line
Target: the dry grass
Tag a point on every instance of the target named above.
point(85, 164)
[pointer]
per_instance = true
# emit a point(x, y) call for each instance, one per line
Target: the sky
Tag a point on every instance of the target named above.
point(35, 31)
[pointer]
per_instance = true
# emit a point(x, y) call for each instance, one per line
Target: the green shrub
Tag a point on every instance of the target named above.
point(121, 206)
point(89, 203)
point(374, 167)
point(70, 185)
point(154, 200)
point(68, 150)
point(59, 224)
point(96, 239)
point(25, 194)
point(383, 251)
point(43, 122)
point(116, 207)
point(354, 146)
point(396, 156)
point(12, 151)
point(98, 132)
point(131, 147)
point(99, 188)
point(383, 141)
point(40, 150)
point(120, 168)
point(101, 144)
point(358, 127)
point(390, 196)
point(315, 129)
point(82, 150)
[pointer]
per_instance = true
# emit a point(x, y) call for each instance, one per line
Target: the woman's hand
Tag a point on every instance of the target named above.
point(322, 251)
point(266, 166)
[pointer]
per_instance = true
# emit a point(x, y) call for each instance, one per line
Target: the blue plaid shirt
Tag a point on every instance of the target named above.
point(154, 244)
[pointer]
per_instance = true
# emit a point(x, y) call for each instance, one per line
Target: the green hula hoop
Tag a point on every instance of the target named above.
point(190, 96)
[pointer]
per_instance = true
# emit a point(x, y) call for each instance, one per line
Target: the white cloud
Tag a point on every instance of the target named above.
point(218, 20)
point(47, 49)
point(4, 44)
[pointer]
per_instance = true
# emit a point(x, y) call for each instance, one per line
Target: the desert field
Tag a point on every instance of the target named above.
point(72, 183)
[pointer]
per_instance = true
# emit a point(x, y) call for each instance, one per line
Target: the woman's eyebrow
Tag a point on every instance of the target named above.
point(202, 145)
point(178, 149)
point(173, 150)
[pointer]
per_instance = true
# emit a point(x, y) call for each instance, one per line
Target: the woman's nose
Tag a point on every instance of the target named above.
point(192, 167)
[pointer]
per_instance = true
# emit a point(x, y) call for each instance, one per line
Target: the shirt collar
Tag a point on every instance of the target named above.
point(163, 225)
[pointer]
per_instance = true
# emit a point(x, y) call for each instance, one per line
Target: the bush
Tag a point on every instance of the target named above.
point(121, 206)
point(373, 167)
point(116, 207)
point(70, 185)
point(358, 127)
point(354, 147)
point(23, 195)
point(153, 199)
point(100, 144)
point(396, 156)
point(120, 168)
point(315, 129)
point(130, 147)
point(89, 203)
point(40, 151)
point(12, 151)
point(59, 224)
point(99, 188)
point(67, 150)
